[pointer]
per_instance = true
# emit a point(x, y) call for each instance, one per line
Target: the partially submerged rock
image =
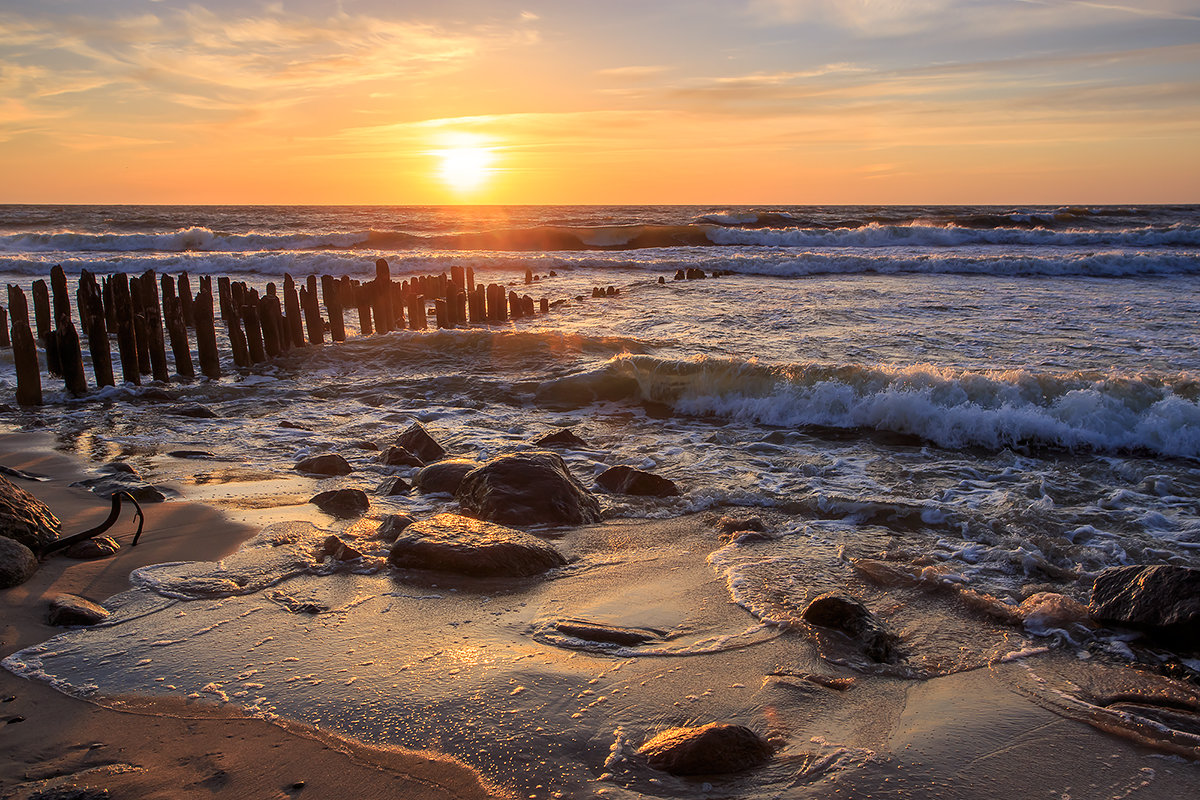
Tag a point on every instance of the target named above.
point(89, 549)
point(1162, 601)
point(324, 464)
point(108, 485)
point(443, 477)
point(393, 526)
point(713, 749)
point(527, 489)
point(344, 503)
point(333, 547)
point(194, 410)
point(71, 609)
point(851, 617)
point(26, 519)
point(418, 441)
point(397, 456)
point(17, 563)
point(393, 486)
point(466, 546)
point(603, 633)
point(627, 480)
point(563, 438)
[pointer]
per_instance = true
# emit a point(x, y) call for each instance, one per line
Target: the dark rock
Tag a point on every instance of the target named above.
point(363, 444)
point(393, 486)
point(713, 749)
point(563, 438)
point(609, 634)
point(194, 410)
point(738, 524)
point(393, 525)
point(1162, 601)
point(119, 467)
point(344, 503)
point(152, 395)
point(338, 550)
point(190, 454)
point(108, 485)
point(17, 563)
point(71, 609)
point(396, 456)
point(296, 426)
point(324, 464)
point(89, 549)
point(25, 518)
point(443, 477)
point(465, 546)
point(527, 489)
point(627, 480)
point(851, 617)
point(418, 441)
point(71, 793)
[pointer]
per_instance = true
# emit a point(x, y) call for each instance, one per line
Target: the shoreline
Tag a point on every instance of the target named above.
point(152, 748)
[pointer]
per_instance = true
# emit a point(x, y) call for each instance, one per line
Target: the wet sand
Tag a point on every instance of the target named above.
point(489, 678)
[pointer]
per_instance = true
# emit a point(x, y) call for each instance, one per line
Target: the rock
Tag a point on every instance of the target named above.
point(152, 395)
point(191, 454)
point(564, 438)
point(527, 489)
point(444, 477)
point(296, 426)
point(393, 486)
point(71, 609)
point(465, 546)
point(324, 464)
point(1162, 601)
point(26, 519)
point(418, 441)
point(608, 634)
point(120, 467)
point(344, 503)
point(627, 480)
point(713, 749)
point(363, 444)
point(96, 547)
point(70, 792)
point(396, 456)
point(108, 485)
point(393, 525)
point(17, 563)
point(194, 410)
point(739, 524)
point(338, 550)
point(849, 616)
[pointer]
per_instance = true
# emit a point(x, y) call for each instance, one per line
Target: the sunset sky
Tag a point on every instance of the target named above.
point(653, 101)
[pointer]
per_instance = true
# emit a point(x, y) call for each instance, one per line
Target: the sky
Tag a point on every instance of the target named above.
point(584, 102)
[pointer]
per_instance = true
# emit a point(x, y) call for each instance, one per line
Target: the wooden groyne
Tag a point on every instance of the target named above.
point(141, 314)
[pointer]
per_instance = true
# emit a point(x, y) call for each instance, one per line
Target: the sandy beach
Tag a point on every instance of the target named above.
point(978, 710)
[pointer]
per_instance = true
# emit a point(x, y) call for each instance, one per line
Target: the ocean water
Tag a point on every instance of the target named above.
point(1009, 397)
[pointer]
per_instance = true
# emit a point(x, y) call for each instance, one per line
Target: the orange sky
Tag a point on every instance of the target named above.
point(765, 101)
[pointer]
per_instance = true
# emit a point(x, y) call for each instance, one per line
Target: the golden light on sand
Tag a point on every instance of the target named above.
point(465, 166)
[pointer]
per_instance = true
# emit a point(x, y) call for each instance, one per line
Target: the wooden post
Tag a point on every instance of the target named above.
point(206, 334)
point(154, 325)
point(439, 307)
point(270, 329)
point(514, 305)
point(126, 338)
point(544, 306)
point(333, 307)
point(25, 357)
point(291, 305)
point(312, 311)
point(470, 279)
point(177, 327)
point(185, 298)
point(473, 305)
point(110, 307)
point(362, 298)
point(528, 276)
point(62, 297)
point(141, 330)
point(383, 297)
point(5, 340)
point(95, 325)
point(527, 306)
point(45, 326)
point(71, 357)
point(225, 297)
point(460, 307)
point(416, 312)
point(254, 333)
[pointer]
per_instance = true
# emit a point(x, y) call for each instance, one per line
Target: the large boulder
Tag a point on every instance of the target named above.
point(855, 620)
point(324, 464)
point(344, 503)
point(713, 749)
point(25, 518)
point(17, 563)
point(1160, 600)
point(443, 477)
point(418, 441)
point(627, 480)
point(465, 546)
point(527, 489)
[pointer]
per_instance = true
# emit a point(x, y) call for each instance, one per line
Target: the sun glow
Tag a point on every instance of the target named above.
point(465, 166)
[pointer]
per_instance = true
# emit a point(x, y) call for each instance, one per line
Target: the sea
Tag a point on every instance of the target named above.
point(1009, 396)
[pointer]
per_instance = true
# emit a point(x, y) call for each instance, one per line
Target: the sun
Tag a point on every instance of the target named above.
point(465, 167)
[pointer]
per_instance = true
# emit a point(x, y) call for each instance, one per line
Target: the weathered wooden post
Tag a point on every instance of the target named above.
point(141, 331)
point(291, 305)
point(312, 311)
point(176, 328)
point(154, 327)
point(206, 333)
point(25, 357)
point(460, 307)
point(247, 303)
point(416, 312)
point(225, 297)
point(333, 307)
point(527, 306)
point(362, 299)
point(126, 338)
point(514, 305)
point(439, 308)
point(5, 340)
point(383, 297)
point(544, 306)
point(470, 279)
point(45, 326)
point(270, 329)
point(71, 357)
point(185, 299)
point(528, 276)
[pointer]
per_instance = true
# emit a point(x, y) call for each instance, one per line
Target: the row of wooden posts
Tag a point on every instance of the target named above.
point(260, 327)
